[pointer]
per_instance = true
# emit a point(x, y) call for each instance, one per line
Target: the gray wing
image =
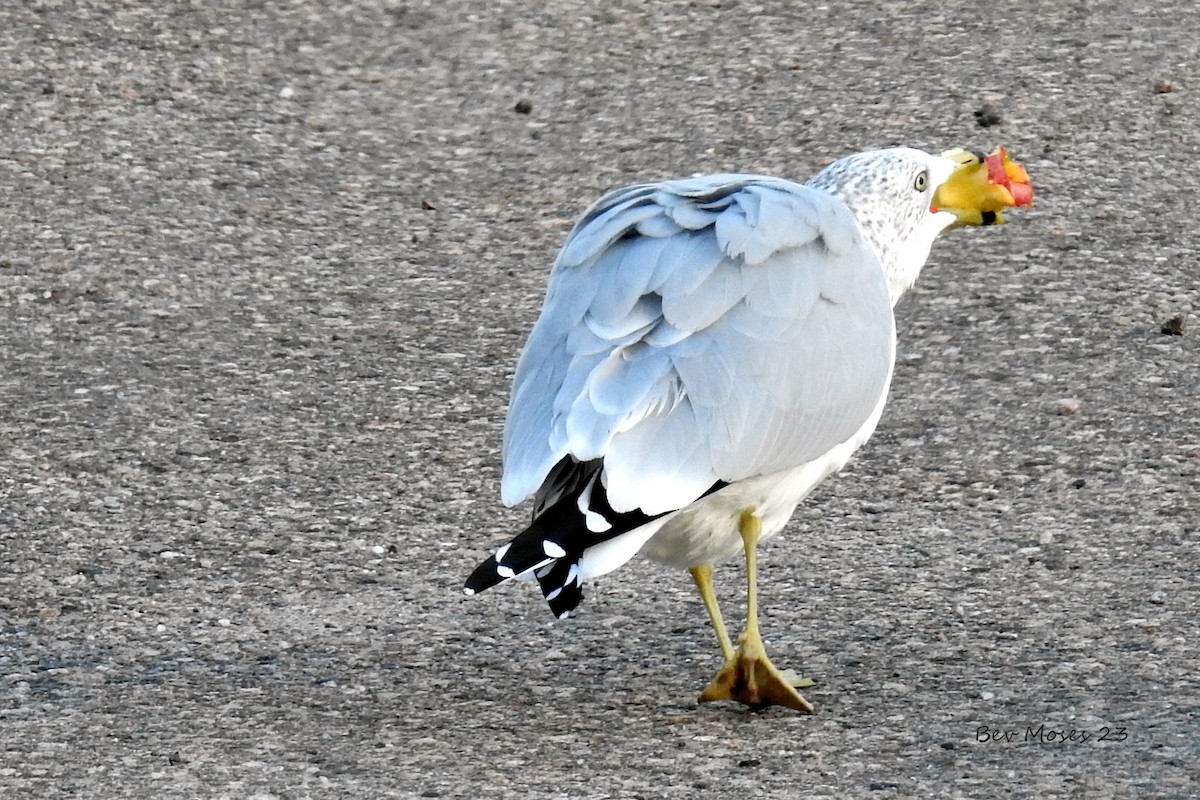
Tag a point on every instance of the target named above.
point(710, 329)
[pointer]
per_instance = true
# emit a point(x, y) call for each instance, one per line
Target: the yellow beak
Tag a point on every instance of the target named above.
point(981, 187)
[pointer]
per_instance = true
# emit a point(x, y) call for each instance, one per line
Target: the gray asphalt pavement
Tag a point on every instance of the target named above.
point(265, 269)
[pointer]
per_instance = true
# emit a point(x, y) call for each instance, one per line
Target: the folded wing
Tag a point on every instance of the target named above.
point(700, 331)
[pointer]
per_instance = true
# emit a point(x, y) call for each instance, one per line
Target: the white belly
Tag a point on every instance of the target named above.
point(706, 532)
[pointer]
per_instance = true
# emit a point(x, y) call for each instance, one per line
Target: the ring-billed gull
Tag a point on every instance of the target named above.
point(711, 349)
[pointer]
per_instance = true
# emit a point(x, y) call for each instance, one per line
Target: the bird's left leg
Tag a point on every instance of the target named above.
point(749, 676)
point(702, 575)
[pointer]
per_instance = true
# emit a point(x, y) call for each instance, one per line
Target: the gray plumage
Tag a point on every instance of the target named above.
point(707, 345)
point(709, 351)
point(699, 330)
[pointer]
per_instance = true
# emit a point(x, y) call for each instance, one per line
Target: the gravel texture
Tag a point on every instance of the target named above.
point(265, 269)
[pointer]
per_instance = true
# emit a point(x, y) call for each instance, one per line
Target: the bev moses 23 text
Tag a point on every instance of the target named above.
point(1046, 734)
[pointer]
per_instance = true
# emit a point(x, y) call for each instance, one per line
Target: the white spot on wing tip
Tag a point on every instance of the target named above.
point(565, 615)
point(596, 523)
point(553, 549)
point(468, 591)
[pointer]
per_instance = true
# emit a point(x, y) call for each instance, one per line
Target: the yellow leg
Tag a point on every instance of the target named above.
point(702, 575)
point(748, 676)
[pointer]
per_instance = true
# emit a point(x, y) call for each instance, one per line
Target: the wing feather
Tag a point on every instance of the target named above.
point(697, 331)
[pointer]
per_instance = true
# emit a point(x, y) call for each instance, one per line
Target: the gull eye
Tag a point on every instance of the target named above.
point(922, 181)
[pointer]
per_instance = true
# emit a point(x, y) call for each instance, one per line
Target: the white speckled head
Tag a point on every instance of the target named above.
point(890, 192)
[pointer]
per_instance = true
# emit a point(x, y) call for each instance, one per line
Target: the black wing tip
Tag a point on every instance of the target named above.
point(562, 590)
point(484, 577)
point(561, 586)
point(564, 604)
point(554, 543)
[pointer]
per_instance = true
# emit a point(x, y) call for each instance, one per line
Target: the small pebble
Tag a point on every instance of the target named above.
point(1066, 407)
point(1174, 326)
point(987, 116)
point(1163, 86)
point(523, 107)
point(287, 93)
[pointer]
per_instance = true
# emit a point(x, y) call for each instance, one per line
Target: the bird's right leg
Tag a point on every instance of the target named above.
point(749, 677)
